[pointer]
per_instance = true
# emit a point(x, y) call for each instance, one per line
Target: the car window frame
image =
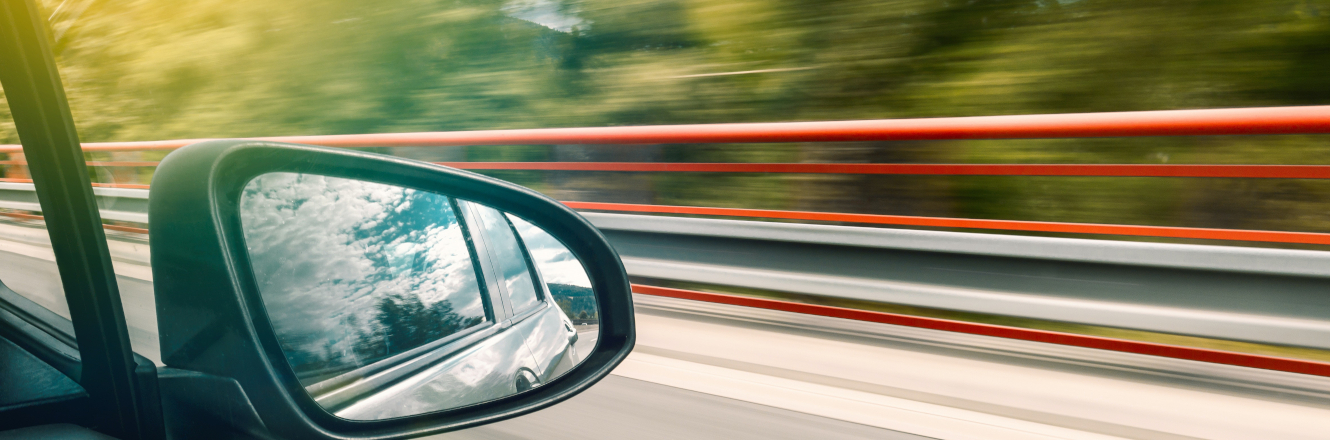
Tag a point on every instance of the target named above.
point(496, 320)
point(493, 319)
point(538, 283)
point(121, 385)
point(542, 290)
point(498, 294)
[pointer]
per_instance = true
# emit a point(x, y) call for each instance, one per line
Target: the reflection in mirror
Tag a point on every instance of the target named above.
point(566, 279)
point(389, 302)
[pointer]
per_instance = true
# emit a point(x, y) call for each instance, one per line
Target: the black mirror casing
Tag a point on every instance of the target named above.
point(212, 320)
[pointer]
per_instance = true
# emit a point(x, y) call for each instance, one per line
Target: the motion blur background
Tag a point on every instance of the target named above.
point(140, 70)
point(163, 69)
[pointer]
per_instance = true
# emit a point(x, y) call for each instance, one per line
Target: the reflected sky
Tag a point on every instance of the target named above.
point(557, 264)
point(549, 13)
point(351, 271)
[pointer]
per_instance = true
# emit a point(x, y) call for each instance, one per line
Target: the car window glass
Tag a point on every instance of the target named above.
point(354, 272)
point(27, 263)
point(509, 258)
point(567, 280)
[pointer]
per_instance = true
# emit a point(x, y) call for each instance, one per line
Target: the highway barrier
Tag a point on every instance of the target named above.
point(1268, 296)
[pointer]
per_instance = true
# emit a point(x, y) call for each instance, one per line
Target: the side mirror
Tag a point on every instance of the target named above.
point(347, 295)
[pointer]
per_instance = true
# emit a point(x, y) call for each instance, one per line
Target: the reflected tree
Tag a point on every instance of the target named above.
point(355, 272)
point(403, 322)
point(160, 69)
point(578, 302)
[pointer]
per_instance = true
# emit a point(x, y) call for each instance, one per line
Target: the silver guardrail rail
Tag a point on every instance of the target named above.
point(121, 204)
point(1271, 296)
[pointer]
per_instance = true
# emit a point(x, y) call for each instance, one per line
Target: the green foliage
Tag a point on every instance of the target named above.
point(158, 69)
point(407, 323)
point(397, 324)
point(576, 301)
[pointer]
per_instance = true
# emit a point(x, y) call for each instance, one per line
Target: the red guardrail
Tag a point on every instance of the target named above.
point(1064, 170)
point(1241, 121)
point(1123, 345)
point(1069, 170)
point(1301, 366)
point(1248, 121)
point(942, 222)
point(1251, 121)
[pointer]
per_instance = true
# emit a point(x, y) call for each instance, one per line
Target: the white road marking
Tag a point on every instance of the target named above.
point(941, 422)
point(1062, 397)
point(32, 242)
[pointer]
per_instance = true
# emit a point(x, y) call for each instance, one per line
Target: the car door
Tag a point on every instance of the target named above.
point(539, 320)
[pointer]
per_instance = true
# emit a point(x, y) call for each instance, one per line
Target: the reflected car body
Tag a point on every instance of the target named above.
point(501, 357)
point(481, 371)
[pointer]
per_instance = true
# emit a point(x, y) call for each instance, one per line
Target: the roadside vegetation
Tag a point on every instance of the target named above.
point(165, 69)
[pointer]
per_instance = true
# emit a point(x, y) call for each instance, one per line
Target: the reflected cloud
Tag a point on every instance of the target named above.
point(371, 290)
point(563, 273)
point(557, 264)
point(352, 272)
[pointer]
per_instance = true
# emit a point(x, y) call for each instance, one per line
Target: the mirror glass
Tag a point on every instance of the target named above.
point(389, 301)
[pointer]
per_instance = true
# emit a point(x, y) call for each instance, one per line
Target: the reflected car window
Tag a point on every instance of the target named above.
point(353, 272)
point(509, 259)
point(563, 273)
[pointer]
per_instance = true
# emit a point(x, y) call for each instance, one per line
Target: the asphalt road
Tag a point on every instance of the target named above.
point(713, 371)
point(27, 266)
point(623, 408)
point(911, 381)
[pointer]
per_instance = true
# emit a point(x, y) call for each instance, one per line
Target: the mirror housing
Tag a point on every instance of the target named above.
point(213, 323)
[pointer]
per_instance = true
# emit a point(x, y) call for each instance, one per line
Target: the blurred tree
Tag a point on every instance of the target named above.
point(157, 69)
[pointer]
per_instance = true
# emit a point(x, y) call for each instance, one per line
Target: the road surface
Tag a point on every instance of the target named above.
point(714, 371)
